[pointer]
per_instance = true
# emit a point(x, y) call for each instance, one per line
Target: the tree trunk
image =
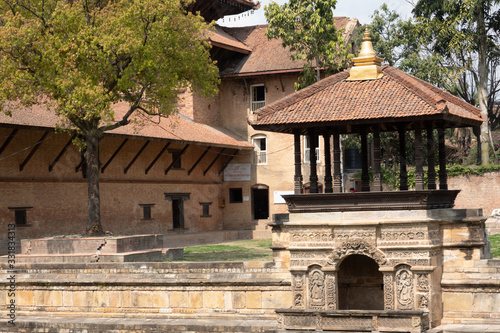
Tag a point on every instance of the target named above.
point(483, 83)
point(94, 226)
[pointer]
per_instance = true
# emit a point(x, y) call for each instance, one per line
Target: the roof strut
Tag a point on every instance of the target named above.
point(213, 162)
point(178, 158)
point(9, 139)
point(156, 158)
point(199, 160)
point(32, 152)
point(136, 156)
point(61, 153)
point(114, 155)
point(227, 163)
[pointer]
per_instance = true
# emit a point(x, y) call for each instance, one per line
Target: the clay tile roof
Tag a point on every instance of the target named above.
point(220, 38)
point(396, 97)
point(176, 128)
point(270, 55)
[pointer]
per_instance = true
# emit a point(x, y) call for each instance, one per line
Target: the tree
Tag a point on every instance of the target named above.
point(307, 27)
point(80, 57)
point(467, 31)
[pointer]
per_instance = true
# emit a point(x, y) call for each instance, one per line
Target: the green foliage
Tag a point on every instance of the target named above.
point(472, 170)
point(85, 56)
point(307, 28)
point(495, 245)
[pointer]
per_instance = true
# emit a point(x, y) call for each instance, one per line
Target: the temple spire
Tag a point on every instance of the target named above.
point(367, 66)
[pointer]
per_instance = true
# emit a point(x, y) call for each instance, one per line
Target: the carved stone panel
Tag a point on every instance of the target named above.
point(331, 292)
point(298, 286)
point(316, 289)
point(311, 237)
point(357, 246)
point(388, 291)
point(404, 289)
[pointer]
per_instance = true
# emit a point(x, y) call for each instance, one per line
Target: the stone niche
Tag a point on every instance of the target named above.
point(371, 270)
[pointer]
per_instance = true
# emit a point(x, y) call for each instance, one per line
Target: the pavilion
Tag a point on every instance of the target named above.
point(369, 98)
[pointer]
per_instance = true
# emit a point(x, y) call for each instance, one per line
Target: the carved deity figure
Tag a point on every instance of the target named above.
point(404, 285)
point(317, 286)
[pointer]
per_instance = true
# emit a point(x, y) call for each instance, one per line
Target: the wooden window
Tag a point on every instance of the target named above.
point(260, 150)
point(205, 209)
point(20, 215)
point(235, 195)
point(258, 97)
point(147, 211)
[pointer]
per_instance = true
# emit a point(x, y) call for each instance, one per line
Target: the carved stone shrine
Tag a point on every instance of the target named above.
point(372, 260)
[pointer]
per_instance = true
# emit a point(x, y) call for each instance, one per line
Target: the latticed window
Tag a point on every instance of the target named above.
point(258, 97)
point(260, 152)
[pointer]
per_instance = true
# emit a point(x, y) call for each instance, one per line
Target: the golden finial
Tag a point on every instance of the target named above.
point(367, 66)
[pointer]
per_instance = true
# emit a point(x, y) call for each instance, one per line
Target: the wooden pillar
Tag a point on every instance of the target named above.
point(403, 174)
point(431, 164)
point(443, 181)
point(377, 170)
point(313, 178)
point(337, 174)
point(328, 164)
point(365, 177)
point(477, 132)
point(298, 163)
point(419, 160)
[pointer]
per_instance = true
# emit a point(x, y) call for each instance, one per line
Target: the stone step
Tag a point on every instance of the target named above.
point(466, 328)
point(135, 256)
point(234, 324)
point(119, 244)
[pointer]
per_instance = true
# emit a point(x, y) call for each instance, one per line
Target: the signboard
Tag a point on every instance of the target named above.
point(278, 199)
point(238, 172)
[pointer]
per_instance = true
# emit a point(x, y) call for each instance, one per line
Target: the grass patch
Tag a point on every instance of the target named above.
point(495, 245)
point(243, 250)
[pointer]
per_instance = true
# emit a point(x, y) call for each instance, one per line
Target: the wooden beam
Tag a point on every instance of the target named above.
point(156, 158)
point(136, 156)
point(199, 160)
point(229, 160)
point(114, 155)
point(9, 139)
point(32, 152)
point(213, 162)
point(61, 153)
point(177, 159)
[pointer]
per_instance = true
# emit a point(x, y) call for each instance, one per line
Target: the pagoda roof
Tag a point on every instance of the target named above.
point(394, 99)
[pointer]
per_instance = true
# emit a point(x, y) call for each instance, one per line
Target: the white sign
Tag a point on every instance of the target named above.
point(278, 199)
point(238, 172)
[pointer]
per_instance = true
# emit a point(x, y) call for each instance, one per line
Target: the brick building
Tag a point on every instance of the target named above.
point(203, 170)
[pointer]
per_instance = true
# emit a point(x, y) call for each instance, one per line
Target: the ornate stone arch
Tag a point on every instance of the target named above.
point(357, 246)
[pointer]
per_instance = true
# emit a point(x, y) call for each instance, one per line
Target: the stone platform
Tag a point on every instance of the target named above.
point(137, 248)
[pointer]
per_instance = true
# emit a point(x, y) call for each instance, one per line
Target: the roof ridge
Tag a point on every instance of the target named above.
point(301, 94)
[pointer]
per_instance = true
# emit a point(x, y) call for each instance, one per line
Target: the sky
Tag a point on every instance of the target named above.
point(361, 9)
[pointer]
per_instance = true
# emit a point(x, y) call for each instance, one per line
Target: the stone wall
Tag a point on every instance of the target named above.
point(477, 191)
point(158, 290)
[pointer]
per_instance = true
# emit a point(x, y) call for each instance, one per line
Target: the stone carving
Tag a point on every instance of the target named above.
point(298, 301)
point(423, 282)
point(388, 292)
point(316, 289)
point(423, 301)
point(281, 320)
point(397, 235)
point(358, 246)
point(331, 293)
point(311, 236)
point(404, 289)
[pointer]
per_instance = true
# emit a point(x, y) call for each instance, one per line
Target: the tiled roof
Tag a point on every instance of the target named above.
point(393, 98)
point(176, 127)
point(270, 55)
point(218, 37)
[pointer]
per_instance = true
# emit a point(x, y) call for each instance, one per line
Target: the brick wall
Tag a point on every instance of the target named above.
point(477, 192)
